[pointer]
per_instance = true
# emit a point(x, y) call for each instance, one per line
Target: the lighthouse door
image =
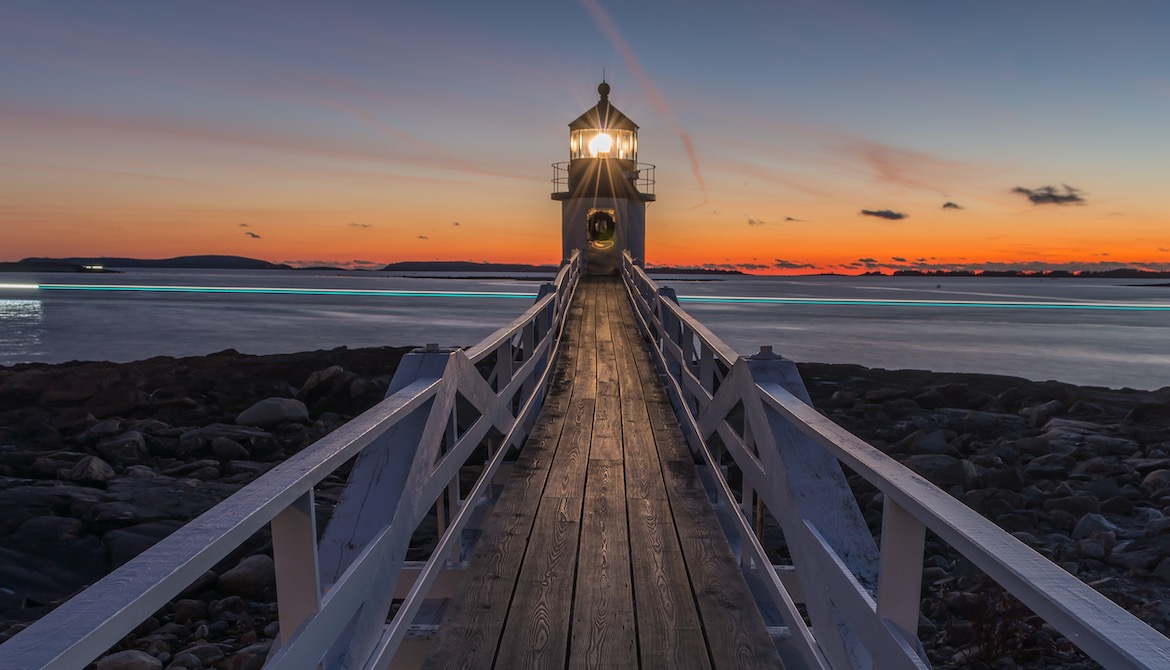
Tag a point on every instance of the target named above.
point(601, 250)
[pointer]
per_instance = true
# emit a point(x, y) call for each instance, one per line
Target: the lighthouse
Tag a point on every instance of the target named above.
point(603, 189)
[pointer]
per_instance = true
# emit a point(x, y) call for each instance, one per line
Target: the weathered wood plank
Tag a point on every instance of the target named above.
point(536, 634)
point(643, 472)
point(603, 610)
point(567, 478)
point(584, 348)
point(607, 423)
point(735, 630)
point(475, 618)
point(670, 634)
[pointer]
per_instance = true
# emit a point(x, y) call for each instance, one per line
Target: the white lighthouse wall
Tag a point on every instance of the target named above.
point(629, 234)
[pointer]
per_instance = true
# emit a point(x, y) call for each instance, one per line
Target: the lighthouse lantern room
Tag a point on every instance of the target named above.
point(603, 189)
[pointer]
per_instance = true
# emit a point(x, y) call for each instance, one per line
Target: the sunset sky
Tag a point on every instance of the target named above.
point(789, 136)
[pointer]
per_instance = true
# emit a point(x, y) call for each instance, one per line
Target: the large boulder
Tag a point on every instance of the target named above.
point(129, 448)
point(251, 578)
point(273, 412)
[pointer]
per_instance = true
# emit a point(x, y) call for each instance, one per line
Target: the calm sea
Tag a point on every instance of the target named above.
point(1112, 346)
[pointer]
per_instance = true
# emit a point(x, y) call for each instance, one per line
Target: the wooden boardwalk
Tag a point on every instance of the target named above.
point(603, 551)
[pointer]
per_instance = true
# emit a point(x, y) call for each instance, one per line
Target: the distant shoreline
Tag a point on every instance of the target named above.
point(220, 262)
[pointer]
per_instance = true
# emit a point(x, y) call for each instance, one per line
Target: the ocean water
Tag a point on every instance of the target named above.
point(959, 325)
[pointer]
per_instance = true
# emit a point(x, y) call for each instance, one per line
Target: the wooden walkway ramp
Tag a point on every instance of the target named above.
point(603, 551)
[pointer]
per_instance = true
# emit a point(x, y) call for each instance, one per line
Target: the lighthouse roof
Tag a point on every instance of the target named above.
point(603, 115)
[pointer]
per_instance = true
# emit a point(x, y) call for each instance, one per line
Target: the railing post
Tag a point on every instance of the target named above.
point(294, 554)
point(807, 488)
point(900, 571)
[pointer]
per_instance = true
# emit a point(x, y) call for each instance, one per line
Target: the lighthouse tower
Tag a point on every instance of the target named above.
point(603, 190)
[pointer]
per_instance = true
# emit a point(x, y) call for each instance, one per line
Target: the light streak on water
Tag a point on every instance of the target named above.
point(711, 299)
point(1006, 304)
point(272, 290)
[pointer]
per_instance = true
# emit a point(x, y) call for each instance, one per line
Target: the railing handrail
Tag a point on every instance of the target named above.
point(82, 628)
point(1098, 626)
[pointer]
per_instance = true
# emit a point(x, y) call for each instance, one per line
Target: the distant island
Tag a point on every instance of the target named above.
point(1119, 273)
point(102, 263)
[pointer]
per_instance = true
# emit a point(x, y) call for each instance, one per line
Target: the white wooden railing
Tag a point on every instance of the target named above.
point(863, 603)
point(334, 596)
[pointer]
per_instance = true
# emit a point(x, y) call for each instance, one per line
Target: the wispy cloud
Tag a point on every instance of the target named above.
point(951, 205)
point(244, 225)
point(1051, 195)
point(252, 235)
point(788, 219)
point(606, 25)
point(360, 225)
point(756, 222)
point(423, 237)
point(885, 214)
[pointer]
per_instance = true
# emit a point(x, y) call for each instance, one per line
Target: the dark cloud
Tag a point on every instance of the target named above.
point(252, 235)
point(885, 214)
point(790, 265)
point(756, 222)
point(951, 205)
point(899, 260)
point(793, 219)
point(455, 223)
point(244, 225)
point(868, 261)
point(423, 237)
point(1163, 248)
point(1051, 195)
point(360, 225)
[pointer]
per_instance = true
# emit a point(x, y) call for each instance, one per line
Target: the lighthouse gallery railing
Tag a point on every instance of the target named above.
point(863, 603)
point(333, 603)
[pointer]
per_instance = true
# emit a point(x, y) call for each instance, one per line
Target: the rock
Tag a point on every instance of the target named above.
point(1075, 505)
point(1038, 415)
point(90, 470)
point(50, 557)
point(228, 609)
point(193, 440)
point(186, 660)
point(1049, 466)
point(229, 450)
point(251, 578)
point(209, 654)
point(127, 543)
point(1157, 480)
point(1091, 524)
point(318, 379)
point(140, 471)
point(1111, 446)
point(272, 412)
point(101, 430)
point(943, 471)
point(127, 448)
point(1091, 548)
point(923, 442)
point(131, 659)
point(189, 610)
point(1002, 478)
point(251, 657)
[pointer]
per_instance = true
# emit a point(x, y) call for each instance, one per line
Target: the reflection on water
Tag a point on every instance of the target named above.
point(22, 330)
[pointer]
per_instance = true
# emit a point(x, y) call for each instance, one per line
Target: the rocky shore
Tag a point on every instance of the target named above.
point(98, 461)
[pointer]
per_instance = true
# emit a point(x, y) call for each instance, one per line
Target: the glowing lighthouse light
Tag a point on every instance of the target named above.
point(600, 144)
